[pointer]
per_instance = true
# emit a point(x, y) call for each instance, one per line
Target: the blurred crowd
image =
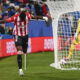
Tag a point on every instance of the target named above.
point(10, 7)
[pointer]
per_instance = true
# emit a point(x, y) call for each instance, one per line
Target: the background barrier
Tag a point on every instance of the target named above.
point(40, 39)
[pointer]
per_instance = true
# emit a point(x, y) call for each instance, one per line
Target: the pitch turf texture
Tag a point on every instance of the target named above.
point(37, 69)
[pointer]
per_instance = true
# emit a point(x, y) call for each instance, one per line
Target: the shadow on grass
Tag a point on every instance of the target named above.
point(44, 76)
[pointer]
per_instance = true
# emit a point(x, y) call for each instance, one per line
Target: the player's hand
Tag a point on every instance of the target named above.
point(45, 18)
point(48, 20)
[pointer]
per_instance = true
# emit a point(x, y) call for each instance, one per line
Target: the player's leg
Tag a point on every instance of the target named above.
point(74, 42)
point(24, 46)
point(25, 43)
point(18, 43)
point(19, 61)
point(72, 48)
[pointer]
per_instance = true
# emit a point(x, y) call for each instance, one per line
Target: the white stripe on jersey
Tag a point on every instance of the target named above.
point(14, 30)
point(21, 28)
point(23, 31)
point(18, 25)
point(30, 16)
point(26, 25)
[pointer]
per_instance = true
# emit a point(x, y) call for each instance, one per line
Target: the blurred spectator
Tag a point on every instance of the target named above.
point(25, 1)
point(6, 30)
point(44, 0)
point(6, 15)
point(6, 4)
point(36, 0)
point(30, 8)
point(10, 31)
point(44, 9)
point(37, 8)
point(4, 1)
point(33, 12)
point(12, 1)
point(11, 10)
point(27, 8)
point(19, 1)
point(1, 17)
point(1, 1)
point(16, 9)
point(2, 9)
point(2, 30)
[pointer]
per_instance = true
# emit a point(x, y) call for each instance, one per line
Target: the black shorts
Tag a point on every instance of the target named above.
point(22, 41)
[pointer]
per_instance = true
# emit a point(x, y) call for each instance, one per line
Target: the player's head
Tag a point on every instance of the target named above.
point(22, 7)
point(22, 16)
point(22, 13)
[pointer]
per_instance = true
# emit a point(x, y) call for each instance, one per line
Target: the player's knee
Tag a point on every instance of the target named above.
point(19, 48)
point(20, 52)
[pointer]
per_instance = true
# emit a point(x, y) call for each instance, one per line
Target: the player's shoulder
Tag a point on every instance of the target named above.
point(27, 13)
point(16, 15)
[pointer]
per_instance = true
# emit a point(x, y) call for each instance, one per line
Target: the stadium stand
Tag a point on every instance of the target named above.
point(10, 7)
point(36, 7)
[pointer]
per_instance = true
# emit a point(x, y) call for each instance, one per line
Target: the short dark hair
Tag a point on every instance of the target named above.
point(22, 16)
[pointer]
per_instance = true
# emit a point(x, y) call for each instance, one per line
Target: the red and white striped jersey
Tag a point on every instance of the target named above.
point(20, 28)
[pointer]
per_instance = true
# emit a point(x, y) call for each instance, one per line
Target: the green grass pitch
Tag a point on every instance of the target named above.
point(38, 68)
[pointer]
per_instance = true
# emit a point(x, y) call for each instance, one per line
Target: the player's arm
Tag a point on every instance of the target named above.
point(3, 21)
point(46, 18)
point(40, 17)
point(11, 19)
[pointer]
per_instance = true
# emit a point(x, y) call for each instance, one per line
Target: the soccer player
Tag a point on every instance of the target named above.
point(75, 41)
point(20, 31)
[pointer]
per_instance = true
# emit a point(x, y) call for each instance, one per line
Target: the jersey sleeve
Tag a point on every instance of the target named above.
point(11, 19)
point(29, 16)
